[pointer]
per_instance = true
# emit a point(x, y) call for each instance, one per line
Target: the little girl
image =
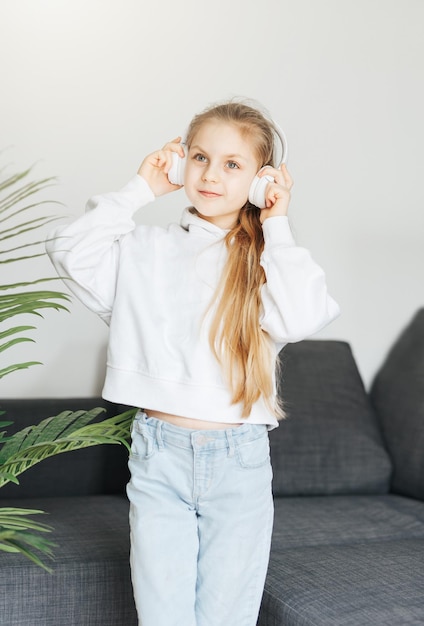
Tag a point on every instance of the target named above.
point(198, 313)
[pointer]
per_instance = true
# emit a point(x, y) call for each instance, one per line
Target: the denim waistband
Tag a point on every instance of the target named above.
point(227, 438)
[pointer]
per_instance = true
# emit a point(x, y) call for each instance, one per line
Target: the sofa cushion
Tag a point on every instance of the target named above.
point(345, 561)
point(330, 442)
point(331, 520)
point(398, 396)
point(91, 581)
point(378, 583)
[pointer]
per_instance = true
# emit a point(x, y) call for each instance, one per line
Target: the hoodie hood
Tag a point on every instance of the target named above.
point(192, 222)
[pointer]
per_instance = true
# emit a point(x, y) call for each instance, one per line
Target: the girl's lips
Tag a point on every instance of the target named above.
point(209, 194)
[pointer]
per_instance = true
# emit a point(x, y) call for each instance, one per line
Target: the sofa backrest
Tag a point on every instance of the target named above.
point(330, 442)
point(99, 469)
point(398, 396)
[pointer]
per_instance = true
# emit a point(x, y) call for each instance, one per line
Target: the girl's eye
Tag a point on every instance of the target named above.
point(200, 157)
point(232, 165)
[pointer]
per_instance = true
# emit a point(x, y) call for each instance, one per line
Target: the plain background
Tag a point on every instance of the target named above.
point(89, 87)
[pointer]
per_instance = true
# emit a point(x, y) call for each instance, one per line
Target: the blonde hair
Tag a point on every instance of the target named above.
point(242, 348)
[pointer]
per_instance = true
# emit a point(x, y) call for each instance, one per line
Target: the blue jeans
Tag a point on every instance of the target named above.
point(201, 513)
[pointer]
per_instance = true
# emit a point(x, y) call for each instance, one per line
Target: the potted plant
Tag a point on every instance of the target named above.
point(21, 216)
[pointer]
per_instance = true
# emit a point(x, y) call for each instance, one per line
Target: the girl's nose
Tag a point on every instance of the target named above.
point(210, 174)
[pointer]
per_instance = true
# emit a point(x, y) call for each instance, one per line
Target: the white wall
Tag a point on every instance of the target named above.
point(89, 87)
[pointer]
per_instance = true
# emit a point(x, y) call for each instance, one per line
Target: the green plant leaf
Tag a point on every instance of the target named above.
point(22, 193)
point(16, 367)
point(23, 246)
point(16, 518)
point(13, 342)
point(3, 433)
point(62, 433)
point(8, 477)
point(25, 227)
point(22, 258)
point(21, 214)
point(28, 296)
point(30, 302)
point(28, 207)
point(33, 282)
point(15, 178)
point(15, 330)
point(17, 535)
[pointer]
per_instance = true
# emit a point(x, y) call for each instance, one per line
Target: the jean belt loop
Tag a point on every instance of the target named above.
point(230, 441)
point(159, 438)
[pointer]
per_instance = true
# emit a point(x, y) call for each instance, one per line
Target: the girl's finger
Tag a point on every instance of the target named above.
point(164, 160)
point(268, 170)
point(274, 173)
point(175, 146)
point(276, 192)
point(281, 175)
point(288, 180)
point(168, 161)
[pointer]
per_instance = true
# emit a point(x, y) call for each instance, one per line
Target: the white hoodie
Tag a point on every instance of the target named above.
point(153, 286)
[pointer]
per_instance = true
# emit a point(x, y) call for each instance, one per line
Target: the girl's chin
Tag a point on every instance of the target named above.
point(226, 222)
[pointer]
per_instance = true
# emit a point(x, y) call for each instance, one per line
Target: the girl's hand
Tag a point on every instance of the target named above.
point(277, 193)
point(155, 167)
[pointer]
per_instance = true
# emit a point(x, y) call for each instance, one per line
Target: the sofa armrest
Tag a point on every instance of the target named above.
point(398, 397)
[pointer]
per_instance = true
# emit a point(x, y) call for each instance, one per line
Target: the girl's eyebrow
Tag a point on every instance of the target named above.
point(227, 156)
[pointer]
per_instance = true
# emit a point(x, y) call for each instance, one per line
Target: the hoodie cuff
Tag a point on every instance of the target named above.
point(138, 191)
point(135, 194)
point(277, 232)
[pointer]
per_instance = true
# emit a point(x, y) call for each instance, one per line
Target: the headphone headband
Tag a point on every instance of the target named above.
point(283, 140)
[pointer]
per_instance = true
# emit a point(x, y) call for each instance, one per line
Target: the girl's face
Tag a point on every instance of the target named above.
point(221, 165)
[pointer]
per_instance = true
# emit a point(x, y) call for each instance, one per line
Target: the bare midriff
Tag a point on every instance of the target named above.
point(188, 422)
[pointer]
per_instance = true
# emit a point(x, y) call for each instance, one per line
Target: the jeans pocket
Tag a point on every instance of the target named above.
point(142, 443)
point(254, 453)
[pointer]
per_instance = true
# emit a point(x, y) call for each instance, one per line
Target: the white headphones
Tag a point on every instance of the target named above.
point(258, 186)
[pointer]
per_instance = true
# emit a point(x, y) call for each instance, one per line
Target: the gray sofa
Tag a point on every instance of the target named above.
point(348, 543)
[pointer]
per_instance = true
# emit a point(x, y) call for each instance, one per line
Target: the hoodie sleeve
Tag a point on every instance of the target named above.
point(86, 251)
point(295, 300)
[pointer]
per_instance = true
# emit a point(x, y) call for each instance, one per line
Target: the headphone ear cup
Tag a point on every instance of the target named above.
point(257, 190)
point(176, 172)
